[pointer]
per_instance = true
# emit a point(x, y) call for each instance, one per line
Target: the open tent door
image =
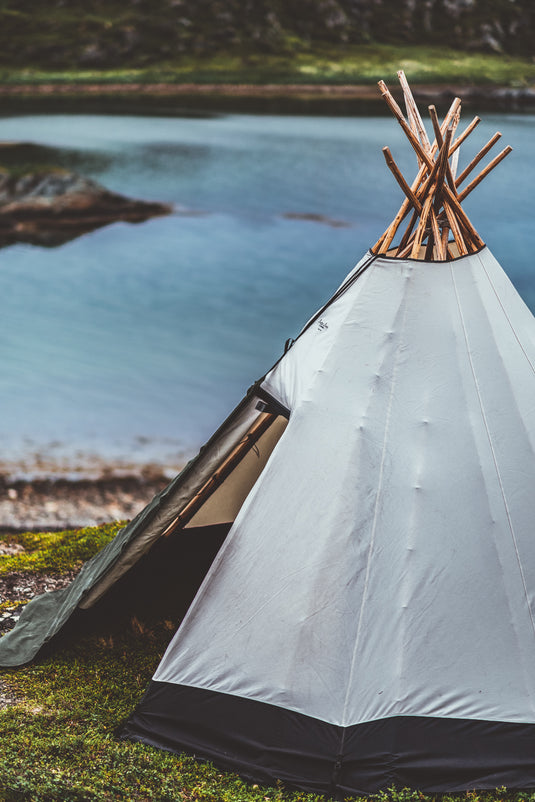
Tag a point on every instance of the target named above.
point(165, 580)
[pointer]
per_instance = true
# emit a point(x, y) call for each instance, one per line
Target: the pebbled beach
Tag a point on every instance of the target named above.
point(53, 496)
point(66, 504)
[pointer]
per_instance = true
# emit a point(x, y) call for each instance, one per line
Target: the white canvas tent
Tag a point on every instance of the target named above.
point(369, 619)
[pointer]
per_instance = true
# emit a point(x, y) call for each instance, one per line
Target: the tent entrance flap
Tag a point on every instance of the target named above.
point(161, 586)
point(218, 499)
point(225, 502)
point(247, 443)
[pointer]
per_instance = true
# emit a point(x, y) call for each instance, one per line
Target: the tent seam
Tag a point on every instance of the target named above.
point(494, 458)
point(376, 509)
point(342, 289)
point(517, 338)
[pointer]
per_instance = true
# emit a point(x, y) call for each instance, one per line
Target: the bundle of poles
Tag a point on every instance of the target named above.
point(438, 228)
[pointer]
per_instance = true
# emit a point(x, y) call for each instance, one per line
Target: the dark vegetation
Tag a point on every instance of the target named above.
point(67, 34)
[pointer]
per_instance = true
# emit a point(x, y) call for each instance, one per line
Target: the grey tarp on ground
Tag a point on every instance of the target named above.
point(44, 616)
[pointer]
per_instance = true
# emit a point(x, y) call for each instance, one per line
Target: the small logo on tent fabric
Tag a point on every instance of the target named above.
point(322, 325)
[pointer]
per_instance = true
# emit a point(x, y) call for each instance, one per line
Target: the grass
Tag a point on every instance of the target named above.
point(57, 552)
point(58, 742)
point(362, 64)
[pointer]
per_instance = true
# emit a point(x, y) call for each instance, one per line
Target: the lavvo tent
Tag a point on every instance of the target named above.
point(369, 617)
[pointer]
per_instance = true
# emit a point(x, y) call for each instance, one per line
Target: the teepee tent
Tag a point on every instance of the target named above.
point(369, 617)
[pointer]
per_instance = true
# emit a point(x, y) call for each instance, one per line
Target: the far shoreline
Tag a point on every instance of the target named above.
point(271, 98)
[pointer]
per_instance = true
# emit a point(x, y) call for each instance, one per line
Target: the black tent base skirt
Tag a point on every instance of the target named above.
point(266, 743)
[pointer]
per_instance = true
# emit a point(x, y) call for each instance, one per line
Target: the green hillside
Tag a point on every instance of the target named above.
point(104, 34)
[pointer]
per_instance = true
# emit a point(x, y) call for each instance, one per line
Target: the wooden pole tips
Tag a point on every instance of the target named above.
point(433, 195)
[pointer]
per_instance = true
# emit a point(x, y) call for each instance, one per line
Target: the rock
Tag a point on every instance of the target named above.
point(19, 587)
point(51, 206)
point(316, 218)
point(8, 697)
point(93, 55)
point(9, 549)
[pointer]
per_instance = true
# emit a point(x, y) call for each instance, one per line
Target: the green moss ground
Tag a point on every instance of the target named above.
point(357, 64)
point(57, 552)
point(58, 742)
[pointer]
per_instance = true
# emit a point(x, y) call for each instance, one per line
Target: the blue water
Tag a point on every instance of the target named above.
point(135, 341)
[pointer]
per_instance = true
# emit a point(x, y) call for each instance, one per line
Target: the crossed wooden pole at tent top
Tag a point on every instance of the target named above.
point(434, 198)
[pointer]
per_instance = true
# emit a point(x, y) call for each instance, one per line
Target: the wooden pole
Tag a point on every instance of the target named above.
point(412, 110)
point(443, 247)
point(436, 233)
point(438, 134)
point(408, 231)
point(467, 131)
point(475, 161)
point(454, 164)
point(261, 425)
point(455, 230)
point(434, 192)
point(430, 247)
point(396, 172)
point(412, 122)
point(420, 230)
point(473, 184)
point(398, 114)
point(452, 111)
point(442, 161)
point(455, 204)
point(436, 125)
point(449, 174)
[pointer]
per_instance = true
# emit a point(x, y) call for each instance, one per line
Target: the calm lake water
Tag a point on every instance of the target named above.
point(135, 341)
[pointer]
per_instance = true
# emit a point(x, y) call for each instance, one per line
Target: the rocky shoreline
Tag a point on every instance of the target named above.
point(45, 504)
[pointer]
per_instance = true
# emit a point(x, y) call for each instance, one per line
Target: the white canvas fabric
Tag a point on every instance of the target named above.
point(384, 562)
